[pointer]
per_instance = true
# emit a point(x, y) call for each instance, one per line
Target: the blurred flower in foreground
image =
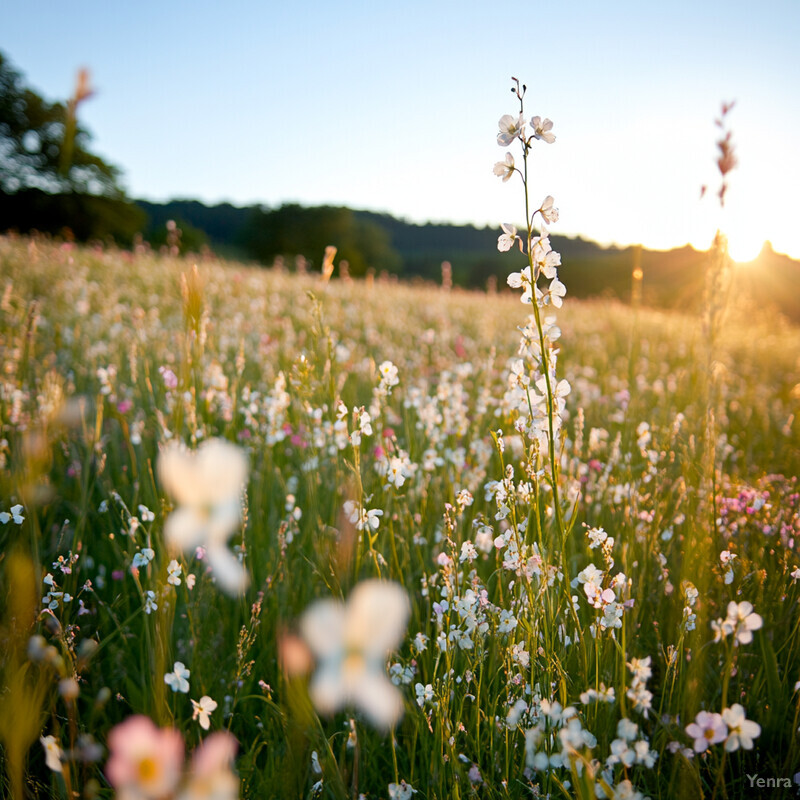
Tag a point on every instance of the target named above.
point(210, 776)
point(351, 642)
point(145, 761)
point(207, 485)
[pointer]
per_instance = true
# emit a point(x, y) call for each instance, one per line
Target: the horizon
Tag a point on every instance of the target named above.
point(766, 244)
point(390, 111)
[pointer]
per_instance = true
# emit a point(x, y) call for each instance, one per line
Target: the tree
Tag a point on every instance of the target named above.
point(44, 151)
point(293, 230)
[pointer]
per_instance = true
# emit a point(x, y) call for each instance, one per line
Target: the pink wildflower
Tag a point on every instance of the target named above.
point(145, 761)
point(707, 729)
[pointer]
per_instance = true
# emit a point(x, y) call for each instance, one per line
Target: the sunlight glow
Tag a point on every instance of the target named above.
point(744, 245)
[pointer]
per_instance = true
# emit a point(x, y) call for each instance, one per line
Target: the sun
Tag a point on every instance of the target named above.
point(744, 245)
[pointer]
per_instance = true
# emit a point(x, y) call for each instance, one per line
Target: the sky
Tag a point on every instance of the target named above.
point(394, 107)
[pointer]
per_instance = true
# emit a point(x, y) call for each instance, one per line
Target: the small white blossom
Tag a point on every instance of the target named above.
point(522, 280)
point(389, 375)
point(174, 573)
point(515, 713)
point(202, 708)
point(507, 238)
point(520, 655)
point(14, 513)
point(505, 169)
point(468, 552)
point(548, 212)
point(743, 621)
point(601, 695)
point(541, 129)
point(596, 537)
point(722, 629)
point(424, 693)
point(507, 622)
point(640, 669)
point(401, 791)
point(143, 557)
point(510, 129)
point(555, 293)
point(741, 731)
point(361, 517)
point(178, 679)
point(150, 604)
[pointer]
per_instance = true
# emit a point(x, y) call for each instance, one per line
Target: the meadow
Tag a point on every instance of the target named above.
point(267, 534)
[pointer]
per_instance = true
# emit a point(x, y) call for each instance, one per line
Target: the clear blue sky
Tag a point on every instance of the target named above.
point(394, 106)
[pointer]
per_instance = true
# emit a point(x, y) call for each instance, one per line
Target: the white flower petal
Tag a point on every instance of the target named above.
point(230, 575)
point(185, 528)
point(322, 626)
point(223, 521)
point(222, 469)
point(377, 613)
point(211, 475)
point(177, 474)
point(378, 698)
point(328, 689)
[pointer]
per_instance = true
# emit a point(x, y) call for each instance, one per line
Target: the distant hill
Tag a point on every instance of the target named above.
point(671, 279)
point(221, 224)
point(772, 280)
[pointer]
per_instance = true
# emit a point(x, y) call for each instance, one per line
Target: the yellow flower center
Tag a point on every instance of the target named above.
point(353, 662)
point(147, 769)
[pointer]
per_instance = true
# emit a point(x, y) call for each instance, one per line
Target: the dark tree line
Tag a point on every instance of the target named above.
point(293, 230)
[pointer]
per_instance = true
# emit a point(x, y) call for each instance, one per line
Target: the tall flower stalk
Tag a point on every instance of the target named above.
point(544, 410)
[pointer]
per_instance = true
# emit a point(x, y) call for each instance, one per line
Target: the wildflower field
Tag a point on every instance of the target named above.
point(275, 535)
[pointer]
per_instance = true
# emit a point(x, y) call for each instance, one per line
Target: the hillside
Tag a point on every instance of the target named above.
point(672, 278)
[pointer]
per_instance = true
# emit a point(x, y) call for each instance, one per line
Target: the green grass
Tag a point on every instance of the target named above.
point(262, 359)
